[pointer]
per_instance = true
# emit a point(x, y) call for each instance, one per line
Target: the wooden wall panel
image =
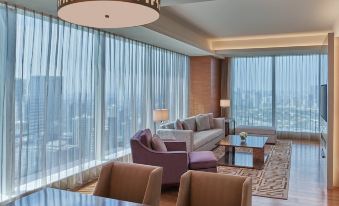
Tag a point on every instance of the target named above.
point(205, 73)
point(215, 87)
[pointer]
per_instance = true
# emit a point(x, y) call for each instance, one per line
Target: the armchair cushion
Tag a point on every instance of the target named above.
point(173, 145)
point(202, 160)
point(158, 144)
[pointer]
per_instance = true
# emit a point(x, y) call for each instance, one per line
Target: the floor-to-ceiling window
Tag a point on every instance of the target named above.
point(281, 91)
point(297, 86)
point(252, 94)
point(71, 98)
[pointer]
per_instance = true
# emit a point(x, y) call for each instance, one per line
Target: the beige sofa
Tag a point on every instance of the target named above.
point(195, 140)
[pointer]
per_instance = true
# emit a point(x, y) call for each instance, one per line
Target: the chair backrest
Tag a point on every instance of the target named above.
point(145, 137)
point(215, 189)
point(130, 182)
point(140, 146)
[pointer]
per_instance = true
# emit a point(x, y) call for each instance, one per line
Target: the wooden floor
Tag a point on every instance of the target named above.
point(307, 183)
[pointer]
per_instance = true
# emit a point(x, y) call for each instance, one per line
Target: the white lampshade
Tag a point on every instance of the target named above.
point(160, 115)
point(225, 103)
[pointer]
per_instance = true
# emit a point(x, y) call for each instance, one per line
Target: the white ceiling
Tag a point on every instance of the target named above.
point(188, 26)
point(151, 34)
point(233, 18)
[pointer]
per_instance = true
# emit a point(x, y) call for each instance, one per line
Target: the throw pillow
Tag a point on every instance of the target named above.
point(178, 125)
point(148, 134)
point(186, 126)
point(191, 122)
point(210, 115)
point(203, 122)
point(158, 144)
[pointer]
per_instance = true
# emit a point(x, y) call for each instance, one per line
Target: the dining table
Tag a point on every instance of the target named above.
point(56, 197)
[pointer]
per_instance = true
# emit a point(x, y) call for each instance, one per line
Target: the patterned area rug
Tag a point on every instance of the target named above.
point(273, 180)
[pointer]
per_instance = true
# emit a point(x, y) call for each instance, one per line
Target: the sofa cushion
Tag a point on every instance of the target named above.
point(185, 126)
point(203, 137)
point(178, 125)
point(202, 160)
point(158, 144)
point(203, 122)
point(191, 123)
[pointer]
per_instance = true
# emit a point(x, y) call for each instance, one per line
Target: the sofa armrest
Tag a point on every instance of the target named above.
point(219, 123)
point(175, 145)
point(180, 135)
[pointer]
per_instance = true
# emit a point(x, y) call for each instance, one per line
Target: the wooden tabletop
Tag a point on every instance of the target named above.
point(56, 197)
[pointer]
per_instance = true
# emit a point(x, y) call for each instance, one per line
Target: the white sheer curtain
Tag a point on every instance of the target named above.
point(72, 97)
point(142, 79)
point(297, 92)
point(281, 91)
point(251, 91)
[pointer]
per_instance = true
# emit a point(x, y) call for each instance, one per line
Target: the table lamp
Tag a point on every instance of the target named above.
point(160, 115)
point(224, 103)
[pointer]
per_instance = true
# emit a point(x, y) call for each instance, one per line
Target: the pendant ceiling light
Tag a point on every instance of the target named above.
point(109, 13)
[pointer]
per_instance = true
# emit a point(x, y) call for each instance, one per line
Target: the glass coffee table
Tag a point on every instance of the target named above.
point(252, 156)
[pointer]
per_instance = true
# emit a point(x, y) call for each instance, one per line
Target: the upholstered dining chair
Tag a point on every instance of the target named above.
point(204, 188)
point(130, 182)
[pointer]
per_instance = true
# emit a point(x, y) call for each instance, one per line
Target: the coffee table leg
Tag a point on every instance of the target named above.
point(233, 155)
point(258, 158)
point(229, 155)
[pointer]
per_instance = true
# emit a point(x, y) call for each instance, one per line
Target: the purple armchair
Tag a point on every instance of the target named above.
point(175, 162)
